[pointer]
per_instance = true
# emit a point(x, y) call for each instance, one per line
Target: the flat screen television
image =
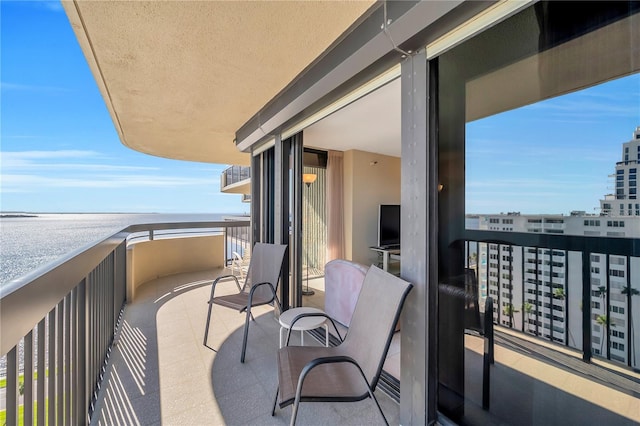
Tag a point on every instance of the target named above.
point(389, 225)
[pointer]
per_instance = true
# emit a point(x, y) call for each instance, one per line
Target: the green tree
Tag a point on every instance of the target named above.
point(527, 308)
point(603, 321)
point(634, 292)
point(509, 310)
point(558, 293)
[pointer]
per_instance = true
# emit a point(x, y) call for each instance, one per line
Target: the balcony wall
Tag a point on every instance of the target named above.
point(149, 260)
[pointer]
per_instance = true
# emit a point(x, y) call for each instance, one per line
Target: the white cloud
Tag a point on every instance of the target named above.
point(37, 171)
point(30, 87)
point(35, 183)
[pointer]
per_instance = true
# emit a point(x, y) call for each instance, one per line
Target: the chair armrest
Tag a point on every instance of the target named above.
point(313, 314)
point(254, 288)
point(215, 282)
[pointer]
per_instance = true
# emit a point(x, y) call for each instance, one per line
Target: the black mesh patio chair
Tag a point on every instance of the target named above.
point(350, 371)
point(260, 286)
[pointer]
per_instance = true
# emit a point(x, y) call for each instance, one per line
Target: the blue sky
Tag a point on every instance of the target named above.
point(61, 153)
point(59, 149)
point(553, 156)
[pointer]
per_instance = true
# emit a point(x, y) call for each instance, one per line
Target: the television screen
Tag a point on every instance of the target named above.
point(389, 225)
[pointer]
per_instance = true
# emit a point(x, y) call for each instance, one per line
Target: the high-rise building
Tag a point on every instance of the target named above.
point(539, 290)
point(624, 201)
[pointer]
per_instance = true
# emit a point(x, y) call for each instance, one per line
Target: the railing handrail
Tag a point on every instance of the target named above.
point(621, 246)
point(27, 299)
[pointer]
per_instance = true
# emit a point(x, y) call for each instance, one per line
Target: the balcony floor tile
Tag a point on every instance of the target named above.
point(161, 373)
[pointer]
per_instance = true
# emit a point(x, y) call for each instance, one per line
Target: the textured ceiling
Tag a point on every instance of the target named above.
point(180, 77)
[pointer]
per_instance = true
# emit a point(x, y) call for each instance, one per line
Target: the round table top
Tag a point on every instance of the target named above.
point(308, 323)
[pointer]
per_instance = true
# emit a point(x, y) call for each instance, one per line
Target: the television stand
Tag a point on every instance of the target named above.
point(387, 253)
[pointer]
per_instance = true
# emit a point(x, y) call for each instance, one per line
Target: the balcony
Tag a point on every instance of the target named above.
point(132, 351)
point(236, 180)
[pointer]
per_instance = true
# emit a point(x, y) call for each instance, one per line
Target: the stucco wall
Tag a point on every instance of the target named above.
point(149, 260)
point(370, 180)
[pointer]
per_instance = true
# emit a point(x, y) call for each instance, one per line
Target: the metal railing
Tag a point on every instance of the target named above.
point(234, 174)
point(58, 323)
point(549, 286)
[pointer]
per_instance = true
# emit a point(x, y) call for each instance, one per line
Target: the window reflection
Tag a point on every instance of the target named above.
point(544, 216)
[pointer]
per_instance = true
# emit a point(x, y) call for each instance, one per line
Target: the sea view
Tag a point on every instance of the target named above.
point(30, 241)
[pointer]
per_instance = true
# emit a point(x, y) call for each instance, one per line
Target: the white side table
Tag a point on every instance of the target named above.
point(303, 324)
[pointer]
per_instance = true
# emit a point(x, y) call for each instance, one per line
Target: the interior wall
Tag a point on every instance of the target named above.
point(370, 179)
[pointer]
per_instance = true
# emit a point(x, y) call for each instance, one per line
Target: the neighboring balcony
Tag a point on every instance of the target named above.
point(237, 180)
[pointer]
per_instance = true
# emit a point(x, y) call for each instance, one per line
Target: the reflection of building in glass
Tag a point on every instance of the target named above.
point(539, 290)
point(624, 201)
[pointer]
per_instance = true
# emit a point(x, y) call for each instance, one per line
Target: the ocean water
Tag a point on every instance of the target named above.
point(27, 243)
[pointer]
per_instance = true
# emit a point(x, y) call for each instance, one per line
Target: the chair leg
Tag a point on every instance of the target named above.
point(378, 405)
point(246, 334)
point(206, 328)
point(275, 402)
point(294, 412)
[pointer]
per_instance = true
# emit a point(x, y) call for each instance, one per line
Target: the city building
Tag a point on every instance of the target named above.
point(534, 287)
point(625, 202)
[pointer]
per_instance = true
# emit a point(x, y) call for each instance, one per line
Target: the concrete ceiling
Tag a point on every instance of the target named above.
point(371, 124)
point(180, 77)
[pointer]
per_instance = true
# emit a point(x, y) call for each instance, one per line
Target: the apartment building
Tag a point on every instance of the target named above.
point(624, 201)
point(533, 287)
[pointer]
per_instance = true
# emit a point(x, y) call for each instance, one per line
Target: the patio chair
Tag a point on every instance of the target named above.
point(260, 286)
point(239, 264)
point(350, 371)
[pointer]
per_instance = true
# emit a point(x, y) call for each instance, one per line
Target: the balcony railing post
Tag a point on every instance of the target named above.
point(630, 340)
point(41, 371)
point(586, 306)
point(488, 356)
point(82, 395)
point(12, 387)
point(51, 377)
point(28, 379)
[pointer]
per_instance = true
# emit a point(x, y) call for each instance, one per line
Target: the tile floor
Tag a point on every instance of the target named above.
point(161, 373)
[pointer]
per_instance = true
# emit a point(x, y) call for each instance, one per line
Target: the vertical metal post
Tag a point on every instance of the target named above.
point(42, 372)
point(537, 289)
point(607, 308)
point(566, 298)
point(256, 205)
point(51, 376)
point(499, 314)
point(297, 150)
point(551, 294)
point(629, 341)
point(268, 196)
point(281, 211)
point(524, 300)
point(419, 373)
point(28, 379)
point(12, 387)
point(511, 307)
point(59, 369)
point(586, 306)
point(487, 356)
point(82, 376)
point(67, 359)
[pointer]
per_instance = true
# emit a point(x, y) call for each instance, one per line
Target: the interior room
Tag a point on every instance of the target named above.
point(365, 134)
